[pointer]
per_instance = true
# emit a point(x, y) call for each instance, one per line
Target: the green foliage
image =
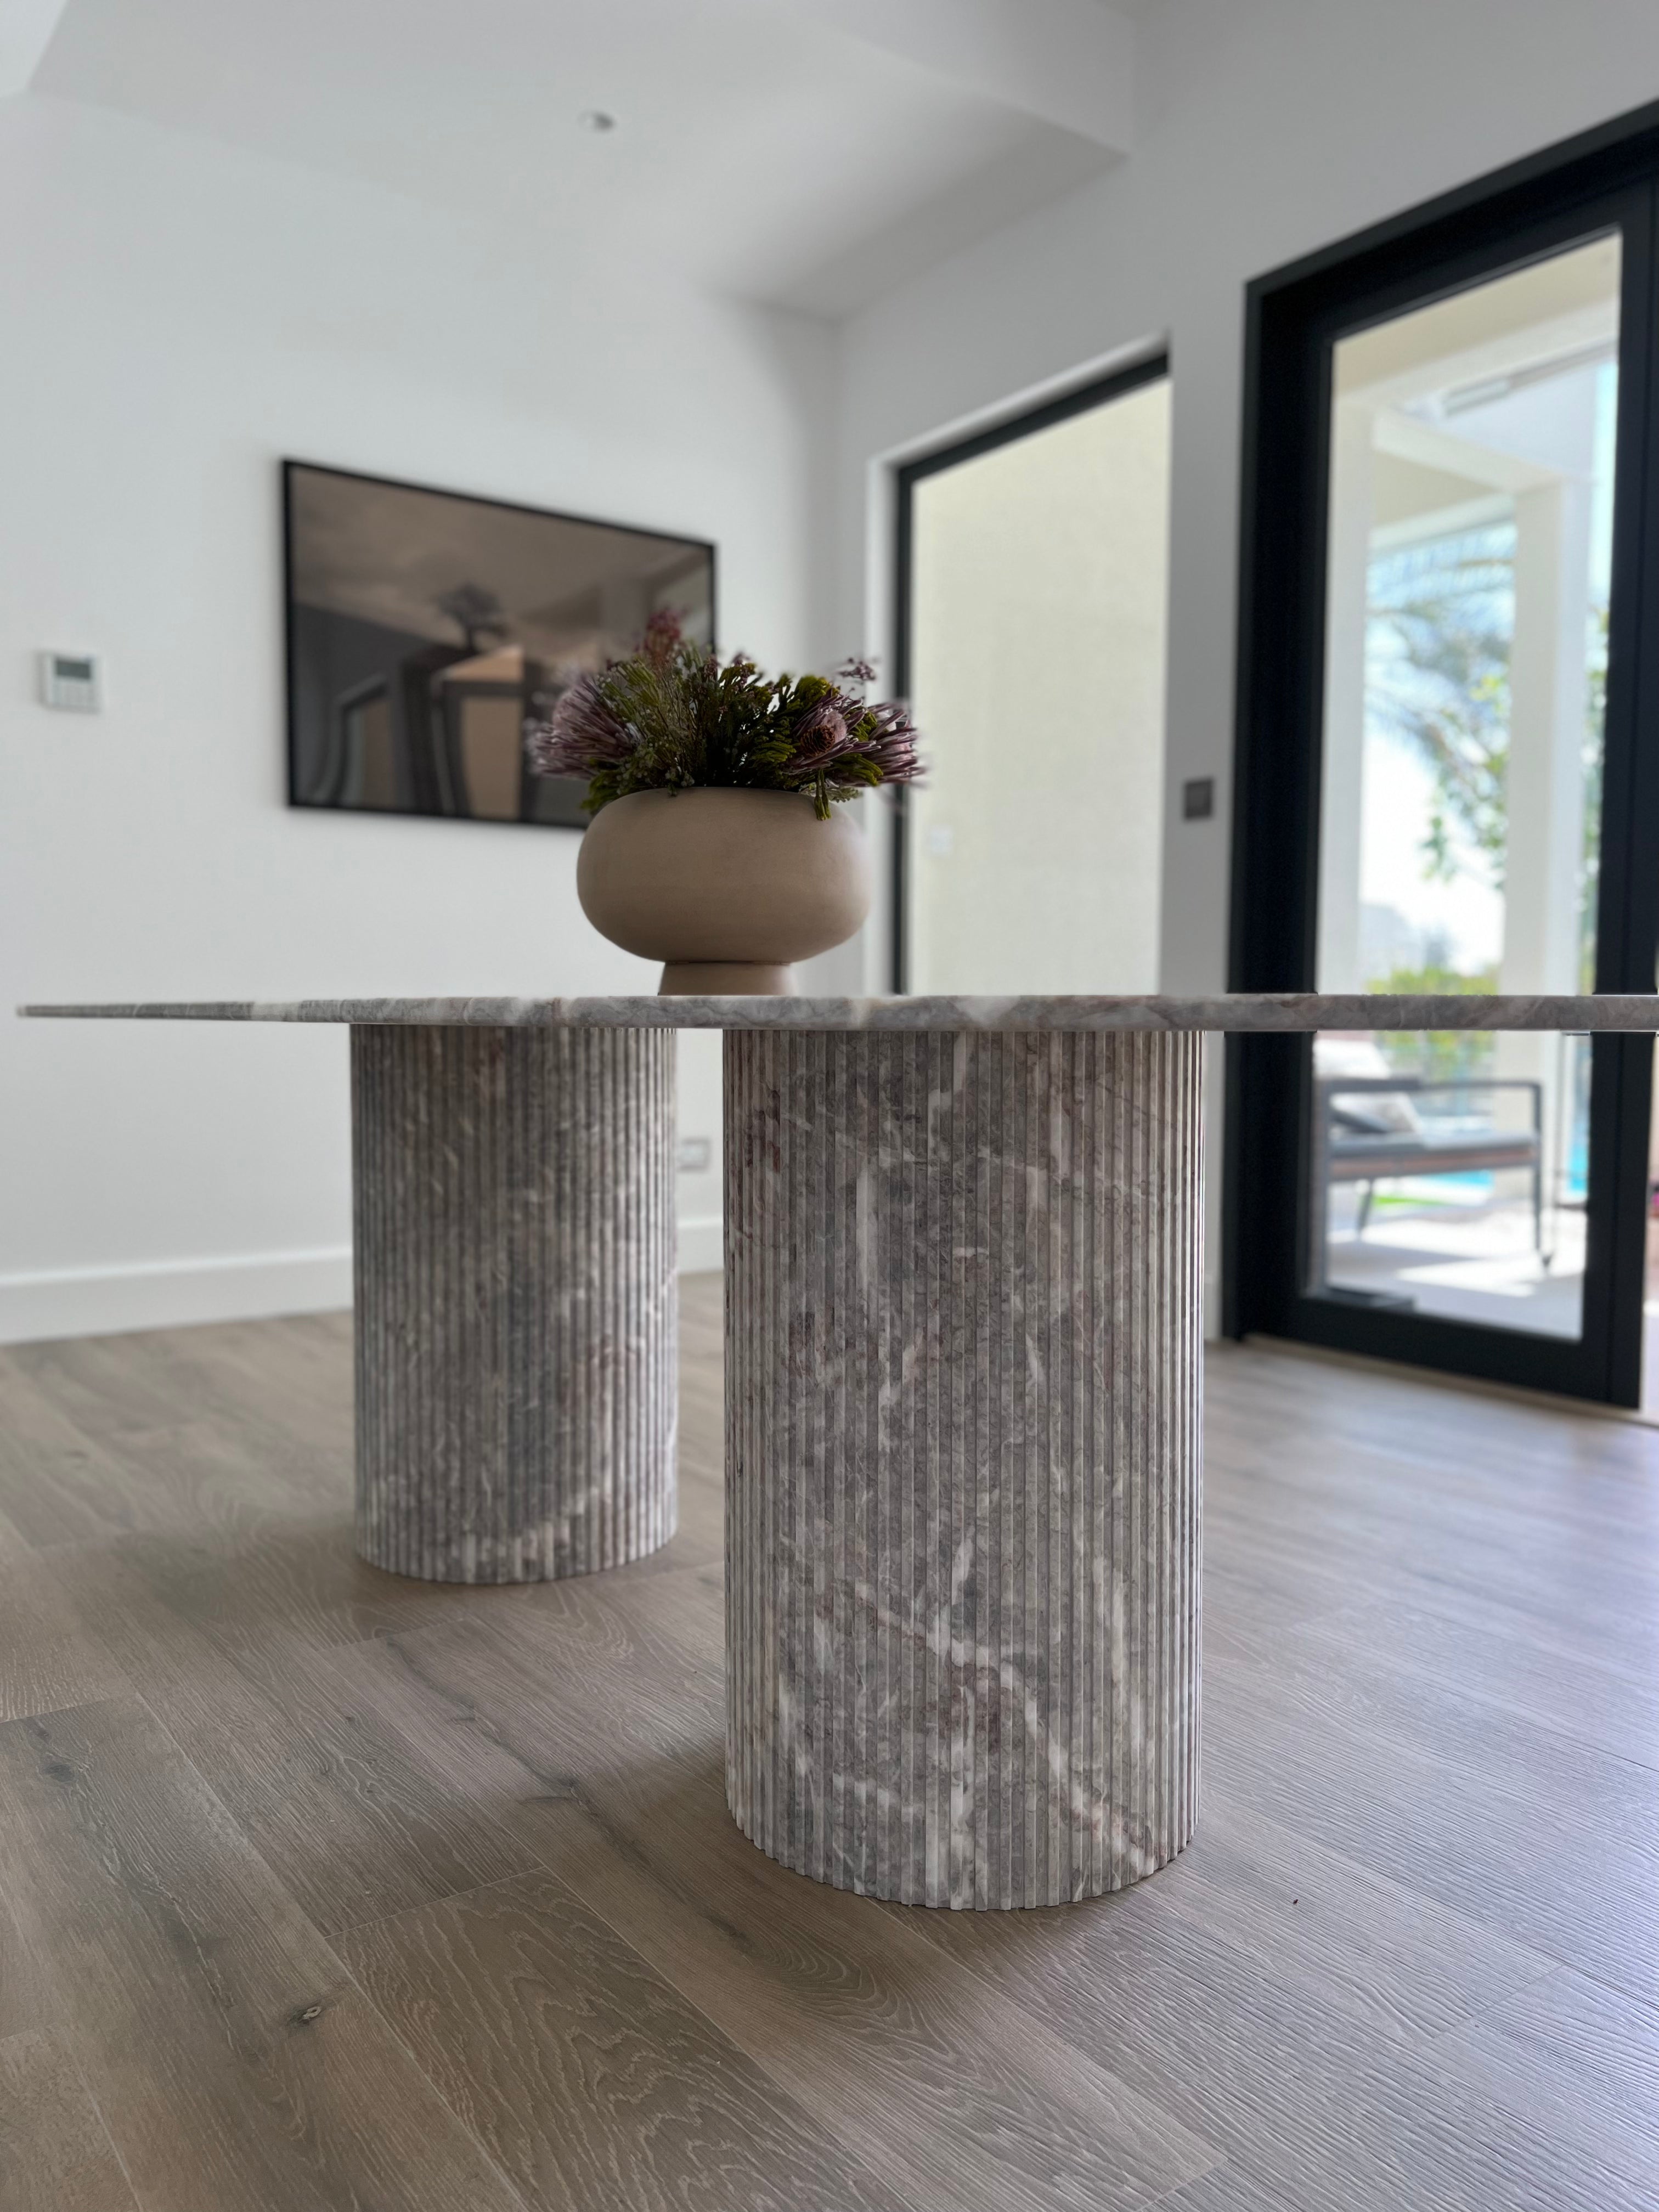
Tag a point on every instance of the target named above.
point(1443, 613)
point(1590, 870)
point(1438, 1055)
point(670, 717)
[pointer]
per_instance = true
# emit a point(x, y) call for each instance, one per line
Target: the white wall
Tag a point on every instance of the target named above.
point(1039, 611)
point(1265, 129)
point(178, 316)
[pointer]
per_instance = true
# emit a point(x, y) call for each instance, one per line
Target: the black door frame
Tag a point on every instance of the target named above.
point(1099, 392)
point(1606, 179)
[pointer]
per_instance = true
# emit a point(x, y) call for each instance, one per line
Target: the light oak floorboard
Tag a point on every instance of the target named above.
point(591, 2080)
point(322, 1888)
point(353, 1827)
point(28, 1999)
point(1577, 2057)
point(55, 2154)
point(599, 1740)
point(235, 2062)
point(56, 1486)
point(47, 1659)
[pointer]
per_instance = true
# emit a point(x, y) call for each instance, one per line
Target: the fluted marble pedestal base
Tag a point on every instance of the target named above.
point(963, 1345)
point(516, 1305)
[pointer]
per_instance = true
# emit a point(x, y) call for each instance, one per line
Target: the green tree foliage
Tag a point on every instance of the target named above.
point(1595, 727)
point(1442, 621)
point(1438, 1055)
point(1441, 618)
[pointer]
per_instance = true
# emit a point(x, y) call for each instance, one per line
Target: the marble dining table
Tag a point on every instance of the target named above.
point(964, 1249)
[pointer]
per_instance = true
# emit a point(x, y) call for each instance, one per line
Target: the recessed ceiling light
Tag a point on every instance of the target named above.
point(595, 118)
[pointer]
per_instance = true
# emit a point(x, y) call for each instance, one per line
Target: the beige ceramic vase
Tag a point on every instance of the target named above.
point(726, 888)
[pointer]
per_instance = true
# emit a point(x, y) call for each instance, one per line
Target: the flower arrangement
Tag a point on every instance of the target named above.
point(673, 717)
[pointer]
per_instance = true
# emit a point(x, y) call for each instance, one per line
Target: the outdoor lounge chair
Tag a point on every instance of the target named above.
point(1367, 1130)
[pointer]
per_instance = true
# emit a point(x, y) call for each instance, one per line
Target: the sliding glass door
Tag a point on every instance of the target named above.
point(1446, 783)
point(1468, 553)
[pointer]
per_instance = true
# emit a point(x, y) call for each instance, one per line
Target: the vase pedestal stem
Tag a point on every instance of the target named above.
point(726, 979)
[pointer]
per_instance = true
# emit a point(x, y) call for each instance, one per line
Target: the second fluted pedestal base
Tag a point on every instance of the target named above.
point(516, 1302)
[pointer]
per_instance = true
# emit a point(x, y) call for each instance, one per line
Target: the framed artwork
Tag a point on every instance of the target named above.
point(426, 629)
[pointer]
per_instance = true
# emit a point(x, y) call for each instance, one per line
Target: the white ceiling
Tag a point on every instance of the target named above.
point(806, 152)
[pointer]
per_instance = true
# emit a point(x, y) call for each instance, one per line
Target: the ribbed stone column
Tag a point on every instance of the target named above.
point(516, 1307)
point(963, 1346)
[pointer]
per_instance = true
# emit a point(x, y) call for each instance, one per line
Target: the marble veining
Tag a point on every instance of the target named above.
point(964, 1335)
point(1239, 1010)
point(516, 1307)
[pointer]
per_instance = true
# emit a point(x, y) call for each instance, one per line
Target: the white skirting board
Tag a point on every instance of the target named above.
point(172, 1293)
point(178, 1294)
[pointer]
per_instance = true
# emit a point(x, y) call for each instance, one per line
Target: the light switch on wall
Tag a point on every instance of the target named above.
point(695, 1155)
point(69, 680)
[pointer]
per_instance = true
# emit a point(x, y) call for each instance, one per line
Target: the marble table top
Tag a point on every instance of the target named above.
point(1293, 1010)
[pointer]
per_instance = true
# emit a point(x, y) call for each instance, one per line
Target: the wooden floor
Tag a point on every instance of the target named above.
point(323, 1889)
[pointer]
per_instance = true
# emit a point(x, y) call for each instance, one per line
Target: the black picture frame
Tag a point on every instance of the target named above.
point(1603, 181)
point(557, 808)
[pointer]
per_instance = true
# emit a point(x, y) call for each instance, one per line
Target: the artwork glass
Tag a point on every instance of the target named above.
point(425, 630)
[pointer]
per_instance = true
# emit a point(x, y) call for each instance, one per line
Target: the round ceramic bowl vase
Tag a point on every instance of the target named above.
point(727, 888)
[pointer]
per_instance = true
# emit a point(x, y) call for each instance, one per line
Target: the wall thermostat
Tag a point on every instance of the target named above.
point(69, 680)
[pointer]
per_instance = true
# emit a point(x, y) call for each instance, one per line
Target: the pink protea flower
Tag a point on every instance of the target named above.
point(581, 734)
point(821, 735)
point(892, 746)
point(664, 633)
point(849, 705)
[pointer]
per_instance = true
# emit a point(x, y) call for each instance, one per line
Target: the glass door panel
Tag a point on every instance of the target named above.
point(1467, 578)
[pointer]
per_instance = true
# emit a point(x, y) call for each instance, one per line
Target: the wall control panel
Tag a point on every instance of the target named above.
point(69, 680)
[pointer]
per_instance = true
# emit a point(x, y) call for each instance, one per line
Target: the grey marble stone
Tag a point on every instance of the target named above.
point(1241, 1011)
point(516, 1301)
point(963, 1339)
